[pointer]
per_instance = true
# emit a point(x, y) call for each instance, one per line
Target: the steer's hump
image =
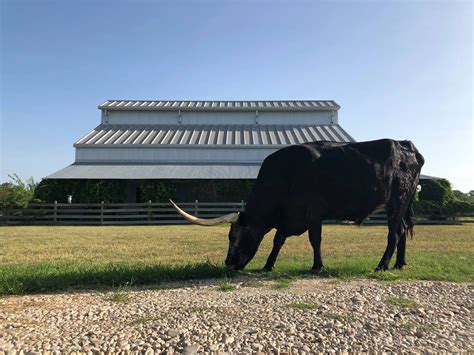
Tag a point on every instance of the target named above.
point(291, 157)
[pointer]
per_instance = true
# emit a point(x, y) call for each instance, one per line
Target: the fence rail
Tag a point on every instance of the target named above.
point(112, 213)
point(147, 213)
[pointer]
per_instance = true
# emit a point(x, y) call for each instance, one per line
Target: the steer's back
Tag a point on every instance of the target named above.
point(323, 180)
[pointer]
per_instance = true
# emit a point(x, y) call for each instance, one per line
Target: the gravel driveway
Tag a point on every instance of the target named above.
point(310, 315)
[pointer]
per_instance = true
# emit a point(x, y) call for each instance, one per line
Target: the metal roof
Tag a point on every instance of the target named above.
point(429, 177)
point(155, 171)
point(206, 135)
point(160, 171)
point(164, 105)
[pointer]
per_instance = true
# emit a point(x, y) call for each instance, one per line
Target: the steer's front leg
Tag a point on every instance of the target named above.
point(278, 242)
point(315, 240)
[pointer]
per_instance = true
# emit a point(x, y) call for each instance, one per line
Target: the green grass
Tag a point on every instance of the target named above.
point(341, 317)
point(48, 259)
point(408, 326)
point(121, 293)
point(427, 328)
point(402, 302)
point(282, 283)
point(226, 286)
point(424, 328)
point(303, 306)
point(119, 297)
point(253, 284)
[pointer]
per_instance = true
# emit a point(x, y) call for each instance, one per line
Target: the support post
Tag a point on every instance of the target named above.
point(55, 213)
point(196, 207)
point(101, 212)
point(149, 211)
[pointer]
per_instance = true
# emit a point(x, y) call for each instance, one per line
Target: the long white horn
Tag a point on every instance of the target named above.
point(228, 218)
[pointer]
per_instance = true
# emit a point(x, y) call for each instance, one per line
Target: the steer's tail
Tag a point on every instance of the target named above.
point(409, 216)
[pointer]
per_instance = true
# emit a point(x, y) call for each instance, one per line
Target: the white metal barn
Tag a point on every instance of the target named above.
point(190, 140)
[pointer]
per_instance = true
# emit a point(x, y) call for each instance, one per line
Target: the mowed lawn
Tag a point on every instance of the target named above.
point(43, 259)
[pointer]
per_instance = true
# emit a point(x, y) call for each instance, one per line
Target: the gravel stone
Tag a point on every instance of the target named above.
point(191, 349)
point(173, 333)
point(214, 347)
point(229, 340)
point(194, 316)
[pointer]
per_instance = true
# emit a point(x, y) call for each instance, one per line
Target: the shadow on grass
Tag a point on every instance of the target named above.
point(73, 276)
point(51, 277)
point(334, 269)
point(423, 266)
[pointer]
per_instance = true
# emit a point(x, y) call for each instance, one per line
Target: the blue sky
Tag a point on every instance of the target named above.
point(399, 69)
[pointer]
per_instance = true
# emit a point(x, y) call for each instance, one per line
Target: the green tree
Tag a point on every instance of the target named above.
point(461, 196)
point(438, 191)
point(437, 200)
point(17, 193)
point(461, 207)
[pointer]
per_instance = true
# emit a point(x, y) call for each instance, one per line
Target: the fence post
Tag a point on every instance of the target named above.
point(196, 207)
point(149, 210)
point(243, 204)
point(101, 213)
point(7, 213)
point(55, 214)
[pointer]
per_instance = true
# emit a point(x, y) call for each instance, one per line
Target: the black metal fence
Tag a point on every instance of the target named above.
point(135, 213)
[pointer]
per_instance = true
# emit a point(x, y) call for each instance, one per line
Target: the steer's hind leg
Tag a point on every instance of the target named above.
point(394, 221)
point(315, 240)
point(406, 226)
point(278, 242)
point(401, 246)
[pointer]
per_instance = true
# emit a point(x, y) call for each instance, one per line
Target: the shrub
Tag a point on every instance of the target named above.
point(438, 201)
point(17, 193)
point(438, 191)
point(156, 191)
point(82, 191)
point(213, 190)
point(458, 207)
point(461, 196)
point(115, 191)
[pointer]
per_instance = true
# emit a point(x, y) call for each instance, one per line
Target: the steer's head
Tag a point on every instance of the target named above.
point(243, 243)
point(243, 238)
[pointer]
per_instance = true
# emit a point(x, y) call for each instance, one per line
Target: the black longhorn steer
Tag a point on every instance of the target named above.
point(300, 186)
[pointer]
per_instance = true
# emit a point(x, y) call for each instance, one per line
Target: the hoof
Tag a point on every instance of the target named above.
point(316, 271)
point(381, 268)
point(267, 269)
